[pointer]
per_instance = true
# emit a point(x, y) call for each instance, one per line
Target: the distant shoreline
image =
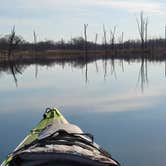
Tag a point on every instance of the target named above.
point(62, 54)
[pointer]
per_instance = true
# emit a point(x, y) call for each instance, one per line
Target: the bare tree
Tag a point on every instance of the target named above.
point(86, 52)
point(34, 39)
point(85, 38)
point(112, 37)
point(13, 42)
point(142, 24)
point(105, 38)
point(96, 37)
point(146, 31)
point(122, 38)
point(35, 49)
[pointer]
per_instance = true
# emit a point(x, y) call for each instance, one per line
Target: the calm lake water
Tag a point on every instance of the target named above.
point(120, 103)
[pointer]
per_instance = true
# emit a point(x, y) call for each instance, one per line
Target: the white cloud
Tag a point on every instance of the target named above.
point(129, 5)
point(134, 6)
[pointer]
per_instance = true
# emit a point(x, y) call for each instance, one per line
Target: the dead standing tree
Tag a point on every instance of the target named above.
point(105, 39)
point(112, 37)
point(13, 42)
point(86, 51)
point(85, 41)
point(146, 31)
point(35, 50)
point(142, 24)
point(122, 38)
point(35, 40)
point(96, 37)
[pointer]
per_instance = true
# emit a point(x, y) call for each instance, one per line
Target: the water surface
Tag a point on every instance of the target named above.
point(121, 103)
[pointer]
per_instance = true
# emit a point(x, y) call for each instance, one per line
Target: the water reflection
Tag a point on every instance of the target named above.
point(108, 66)
point(143, 74)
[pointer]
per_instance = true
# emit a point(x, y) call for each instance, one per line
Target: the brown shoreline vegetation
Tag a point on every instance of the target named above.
point(60, 54)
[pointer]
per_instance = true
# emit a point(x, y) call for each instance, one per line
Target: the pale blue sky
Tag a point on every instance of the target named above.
point(56, 19)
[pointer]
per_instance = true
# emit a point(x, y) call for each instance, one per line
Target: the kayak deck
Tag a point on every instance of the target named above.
point(49, 116)
point(54, 139)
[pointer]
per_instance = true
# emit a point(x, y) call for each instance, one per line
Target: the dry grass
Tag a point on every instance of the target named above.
point(79, 54)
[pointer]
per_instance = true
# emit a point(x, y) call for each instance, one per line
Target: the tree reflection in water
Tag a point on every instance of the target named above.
point(109, 67)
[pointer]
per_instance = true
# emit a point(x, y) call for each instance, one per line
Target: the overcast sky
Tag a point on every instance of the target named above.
point(56, 19)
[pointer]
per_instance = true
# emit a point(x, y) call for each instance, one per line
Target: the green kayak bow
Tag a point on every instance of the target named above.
point(55, 141)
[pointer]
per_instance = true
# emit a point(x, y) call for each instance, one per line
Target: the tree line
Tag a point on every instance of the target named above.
point(110, 40)
point(77, 43)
